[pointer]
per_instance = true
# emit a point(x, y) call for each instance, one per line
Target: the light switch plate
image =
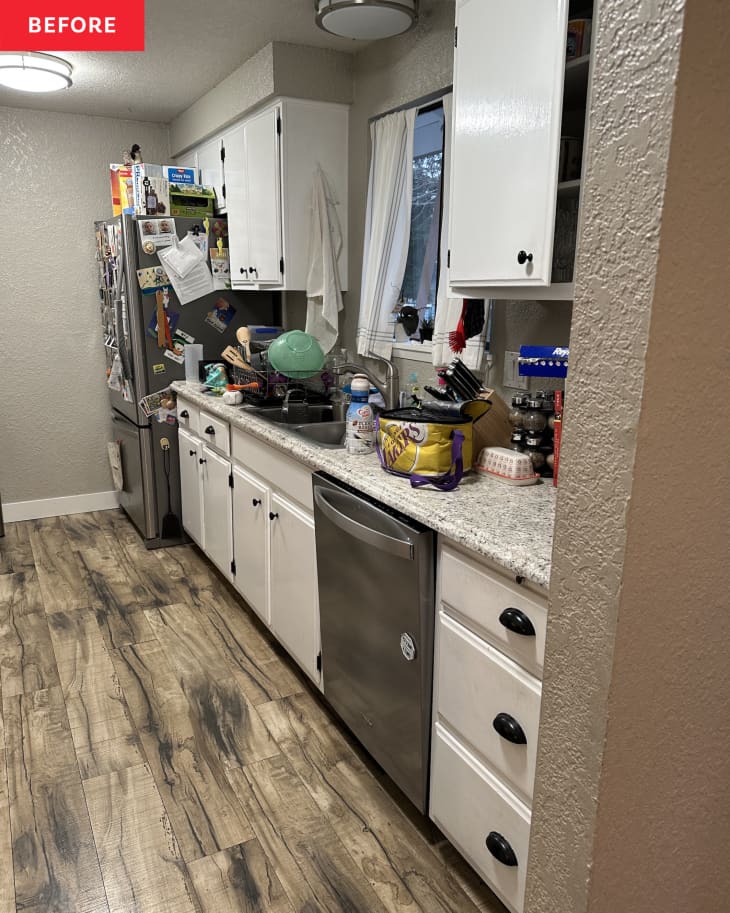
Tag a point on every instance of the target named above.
point(511, 377)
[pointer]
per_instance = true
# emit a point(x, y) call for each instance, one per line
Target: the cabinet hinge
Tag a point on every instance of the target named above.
point(223, 190)
point(230, 480)
point(223, 153)
point(456, 36)
point(278, 124)
point(281, 265)
point(319, 662)
point(448, 258)
point(233, 568)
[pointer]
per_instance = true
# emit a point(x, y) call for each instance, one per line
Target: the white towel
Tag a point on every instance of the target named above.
point(324, 294)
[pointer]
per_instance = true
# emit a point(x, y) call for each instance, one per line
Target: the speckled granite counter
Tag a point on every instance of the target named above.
point(510, 525)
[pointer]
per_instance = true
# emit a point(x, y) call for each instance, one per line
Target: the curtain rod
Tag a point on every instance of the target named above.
point(417, 103)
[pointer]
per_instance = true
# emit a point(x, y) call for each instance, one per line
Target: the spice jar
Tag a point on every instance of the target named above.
point(516, 441)
point(532, 448)
point(535, 419)
point(517, 412)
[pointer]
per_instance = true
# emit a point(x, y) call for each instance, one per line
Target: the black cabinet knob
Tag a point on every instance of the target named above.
point(193, 453)
point(256, 501)
point(508, 727)
point(524, 257)
point(244, 271)
point(515, 620)
point(272, 515)
point(185, 414)
point(201, 461)
point(499, 847)
point(210, 430)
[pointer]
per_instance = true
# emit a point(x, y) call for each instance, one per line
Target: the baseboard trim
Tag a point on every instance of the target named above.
point(60, 507)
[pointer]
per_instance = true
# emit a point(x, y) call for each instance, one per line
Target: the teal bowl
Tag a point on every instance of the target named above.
point(296, 354)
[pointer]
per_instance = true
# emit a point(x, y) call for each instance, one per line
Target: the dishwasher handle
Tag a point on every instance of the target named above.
point(401, 548)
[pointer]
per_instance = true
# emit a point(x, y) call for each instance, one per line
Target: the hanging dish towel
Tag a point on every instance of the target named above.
point(324, 295)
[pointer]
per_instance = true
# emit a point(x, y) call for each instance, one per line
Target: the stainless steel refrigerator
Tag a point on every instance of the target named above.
point(129, 320)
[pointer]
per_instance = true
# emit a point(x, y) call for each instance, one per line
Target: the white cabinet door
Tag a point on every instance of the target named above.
point(217, 510)
point(191, 451)
point(236, 204)
point(294, 600)
point(211, 169)
point(251, 540)
point(263, 196)
point(508, 87)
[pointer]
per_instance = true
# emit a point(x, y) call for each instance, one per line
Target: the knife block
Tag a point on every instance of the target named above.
point(494, 428)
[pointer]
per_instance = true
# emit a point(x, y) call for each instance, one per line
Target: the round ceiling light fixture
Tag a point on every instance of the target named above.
point(367, 20)
point(33, 71)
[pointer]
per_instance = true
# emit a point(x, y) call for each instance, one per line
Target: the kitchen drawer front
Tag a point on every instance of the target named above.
point(488, 700)
point(480, 598)
point(469, 804)
point(275, 467)
point(216, 432)
point(188, 415)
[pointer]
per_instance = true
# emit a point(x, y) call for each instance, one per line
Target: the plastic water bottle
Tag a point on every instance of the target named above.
point(360, 433)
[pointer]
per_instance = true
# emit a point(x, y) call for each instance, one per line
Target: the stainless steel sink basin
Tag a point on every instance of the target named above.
point(297, 414)
point(324, 434)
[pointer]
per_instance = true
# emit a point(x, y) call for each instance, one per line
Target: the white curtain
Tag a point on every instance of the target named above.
point(448, 310)
point(387, 229)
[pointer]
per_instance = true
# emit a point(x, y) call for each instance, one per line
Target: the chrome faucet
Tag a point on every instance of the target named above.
point(389, 388)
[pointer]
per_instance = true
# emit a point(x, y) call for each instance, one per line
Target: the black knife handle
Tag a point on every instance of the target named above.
point(500, 848)
point(515, 620)
point(508, 727)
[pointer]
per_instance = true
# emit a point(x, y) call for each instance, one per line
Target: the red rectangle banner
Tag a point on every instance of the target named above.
point(72, 25)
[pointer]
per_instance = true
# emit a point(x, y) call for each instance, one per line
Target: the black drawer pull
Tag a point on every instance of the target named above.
point(516, 620)
point(508, 727)
point(210, 430)
point(272, 515)
point(193, 453)
point(201, 461)
point(524, 257)
point(185, 414)
point(256, 501)
point(500, 849)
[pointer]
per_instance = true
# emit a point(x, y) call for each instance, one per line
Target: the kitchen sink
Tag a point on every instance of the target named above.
point(298, 413)
point(324, 434)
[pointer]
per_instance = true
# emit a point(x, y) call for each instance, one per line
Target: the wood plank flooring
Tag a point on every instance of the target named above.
point(160, 753)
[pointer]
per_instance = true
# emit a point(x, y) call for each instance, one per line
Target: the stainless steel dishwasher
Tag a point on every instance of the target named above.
point(376, 603)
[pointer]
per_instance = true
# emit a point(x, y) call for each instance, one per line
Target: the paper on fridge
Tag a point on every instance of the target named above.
point(187, 269)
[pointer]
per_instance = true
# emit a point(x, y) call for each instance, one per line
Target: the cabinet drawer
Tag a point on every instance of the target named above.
point(215, 432)
point(188, 415)
point(275, 467)
point(481, 599)
point(470, 804)
point(481, 695)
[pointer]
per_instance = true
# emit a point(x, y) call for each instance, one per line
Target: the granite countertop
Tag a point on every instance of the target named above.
point(510, 525)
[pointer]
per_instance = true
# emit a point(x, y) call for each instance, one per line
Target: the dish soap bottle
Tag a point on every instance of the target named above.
point(360, 433)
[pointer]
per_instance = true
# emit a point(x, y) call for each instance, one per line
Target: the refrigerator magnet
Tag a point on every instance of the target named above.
point(220, 267)
point(158, 369)
point(221, 316)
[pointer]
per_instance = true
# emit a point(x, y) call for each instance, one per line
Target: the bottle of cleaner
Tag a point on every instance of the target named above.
point(360, 433)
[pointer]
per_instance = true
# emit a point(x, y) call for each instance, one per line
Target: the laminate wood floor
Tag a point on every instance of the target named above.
point(159, 753)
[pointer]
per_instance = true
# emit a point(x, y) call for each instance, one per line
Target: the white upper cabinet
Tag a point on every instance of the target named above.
point(211, 165)
point(509, 66)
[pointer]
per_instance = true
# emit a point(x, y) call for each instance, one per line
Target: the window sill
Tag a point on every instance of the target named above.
point(414, 351)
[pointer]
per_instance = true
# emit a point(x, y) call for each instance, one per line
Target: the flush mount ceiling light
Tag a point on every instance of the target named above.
point(34, 72)
point(368, 20)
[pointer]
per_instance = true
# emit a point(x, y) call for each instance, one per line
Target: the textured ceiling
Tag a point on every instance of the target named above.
point(190, 46)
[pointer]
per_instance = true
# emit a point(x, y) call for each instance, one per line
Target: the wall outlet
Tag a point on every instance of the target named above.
point(511, 377)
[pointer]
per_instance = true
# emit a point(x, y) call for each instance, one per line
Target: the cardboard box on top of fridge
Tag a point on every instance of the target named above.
point(158, 189)
point(122, 187)
point(191, 200)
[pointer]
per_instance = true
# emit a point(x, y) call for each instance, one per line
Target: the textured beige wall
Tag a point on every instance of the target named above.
point(664, 797)
point(636, 50)
point(277, 69)
point(54, 412)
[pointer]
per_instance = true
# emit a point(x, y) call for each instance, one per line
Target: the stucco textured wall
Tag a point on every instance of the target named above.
point(54, 414)
point(279, 68)
point(636, 51)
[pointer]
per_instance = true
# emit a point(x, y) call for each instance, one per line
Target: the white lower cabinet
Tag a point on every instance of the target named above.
point(489, 644)
point(217, 510)
point(486, 821)
point(294, 597)
point(191, 452)
point(251, 541)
